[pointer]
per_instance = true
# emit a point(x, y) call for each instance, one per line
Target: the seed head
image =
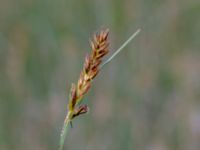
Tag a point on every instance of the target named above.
point(91, 68)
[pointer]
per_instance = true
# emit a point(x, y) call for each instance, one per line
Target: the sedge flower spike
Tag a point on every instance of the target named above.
point(92, 65)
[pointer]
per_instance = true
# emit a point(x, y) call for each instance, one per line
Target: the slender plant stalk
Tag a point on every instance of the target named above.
point(93, 64)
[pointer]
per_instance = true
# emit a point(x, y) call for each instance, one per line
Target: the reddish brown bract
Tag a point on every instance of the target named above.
point(91, 68)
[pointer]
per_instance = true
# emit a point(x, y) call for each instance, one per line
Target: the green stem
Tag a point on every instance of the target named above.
point(64, 132)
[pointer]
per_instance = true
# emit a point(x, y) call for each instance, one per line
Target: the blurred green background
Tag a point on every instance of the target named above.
point(147, 98)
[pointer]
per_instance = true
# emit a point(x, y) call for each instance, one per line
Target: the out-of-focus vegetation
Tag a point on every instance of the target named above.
point(147, 98)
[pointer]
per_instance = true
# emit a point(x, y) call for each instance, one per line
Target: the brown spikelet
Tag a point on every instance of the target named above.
point(99, 45)
point(80, 110)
